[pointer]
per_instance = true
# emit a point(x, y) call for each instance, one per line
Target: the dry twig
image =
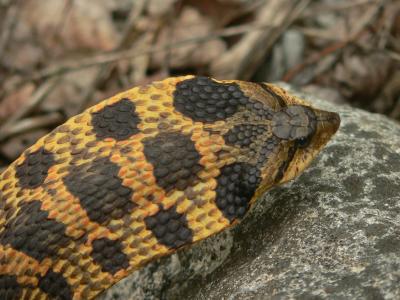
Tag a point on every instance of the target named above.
point(129, 34)
point(8, 25)
point(86, 62)
point(358, 29)
point(393, 55)
point(336, 7)
point(38, 97)
point(245, 56)
point(30, 124)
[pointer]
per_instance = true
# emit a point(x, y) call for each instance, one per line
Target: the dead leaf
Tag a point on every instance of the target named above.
point(326, 93)
point(388, 101)
point(190, 24)
point(12, 102)
point(244, 57)
point(66, 97)
point(70, 25)
point(14, 147)
point(222, 12)
point(360, 77)
point(24, 52)
point(158, 8)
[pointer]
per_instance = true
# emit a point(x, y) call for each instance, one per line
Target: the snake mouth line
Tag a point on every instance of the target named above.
point(334, 118)
point(330, 119)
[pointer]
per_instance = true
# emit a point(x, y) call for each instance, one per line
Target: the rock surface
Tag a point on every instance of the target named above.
point(333, 232)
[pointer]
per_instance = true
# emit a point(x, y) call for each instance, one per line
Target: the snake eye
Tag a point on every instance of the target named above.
point(303, 141)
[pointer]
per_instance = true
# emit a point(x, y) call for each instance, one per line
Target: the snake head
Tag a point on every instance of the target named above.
point(297, 133)
point(303, 132)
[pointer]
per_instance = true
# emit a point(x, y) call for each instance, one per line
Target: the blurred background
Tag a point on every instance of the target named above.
point(59, 57)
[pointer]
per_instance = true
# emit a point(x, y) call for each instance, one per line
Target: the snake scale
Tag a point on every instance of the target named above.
point(143, 174)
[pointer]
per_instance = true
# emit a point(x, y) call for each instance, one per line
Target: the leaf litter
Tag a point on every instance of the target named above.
point(59, 57)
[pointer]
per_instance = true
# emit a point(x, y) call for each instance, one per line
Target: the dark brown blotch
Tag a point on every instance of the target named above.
point(205, 100)
point(268, 148)
point(260, 109)
point(243, 135)
point(34, 169)
point(285, 164)
point(175, 160)
point(32, 232)
point(10, 289)
point(118, 121)
point(109, 255)
point(170, 227)
point(278, 98)
point(237, 184)
point(100, 191)
point(55, 285)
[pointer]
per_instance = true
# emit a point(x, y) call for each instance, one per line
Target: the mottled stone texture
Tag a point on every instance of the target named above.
point(334, 232)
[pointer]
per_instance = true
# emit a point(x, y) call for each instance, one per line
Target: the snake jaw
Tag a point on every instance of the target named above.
point(301, 155)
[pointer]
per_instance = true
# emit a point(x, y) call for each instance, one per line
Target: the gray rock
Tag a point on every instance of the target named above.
point(334, 232)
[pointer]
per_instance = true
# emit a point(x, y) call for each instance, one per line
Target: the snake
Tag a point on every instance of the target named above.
point(143, 174)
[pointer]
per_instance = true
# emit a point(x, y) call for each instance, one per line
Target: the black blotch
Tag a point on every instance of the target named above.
point(260, 109)
point(100, 190)
point(108, 254)
point(244, 135)
point(119, 120)
point(33, 171)
point(267, 149)
point(10, 289)
point(205, 100)
point(237, 183)
point(170, 227)
point(274, 95)
point(283, 167)
point(174, 158)
point(32, 232)
point(55, 285)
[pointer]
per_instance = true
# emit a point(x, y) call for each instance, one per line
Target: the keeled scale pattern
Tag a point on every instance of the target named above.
point(33, 171)
point(244, 134)
point(9, 287)
point(170, 227)
point(130, 179)
point(175, 160)
point(102, 196)
point(32, 233)
point(206, 100)
point(236, 186)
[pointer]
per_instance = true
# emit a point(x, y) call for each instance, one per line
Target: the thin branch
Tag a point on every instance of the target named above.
point(30, 124)
point(336, 7)
point(393, 55)
point(358, 29)
point(318, 33)
point(68, 6)
point(9, 24)
point(105, 58)
point(38, 97)
point(129, 33)
point(243, 58)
